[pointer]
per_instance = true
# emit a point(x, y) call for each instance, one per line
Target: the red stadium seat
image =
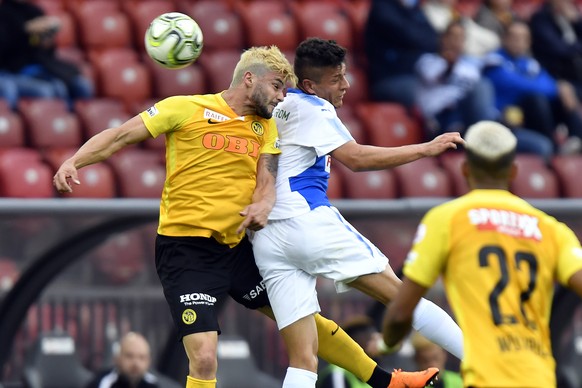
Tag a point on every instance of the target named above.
point(525, 8)
point(423, 178)
point(102, 25)
point(171, 82)
point(98, 114)
point(567, 169)
point(24, 175)
point(141, 14)
point(139, 173)
point(468, 8)
point(121, 258)
point(353, 123)
point(49, 123)
point(219, 67)
point(121, 77)
point(325, 20)
point(357, 11)
point(268, 23)
point(97, 180)
point(452, 161)
point(67, 35)
point(368, 184)
point(335, 189)
point(534, 179)
point(11, 128)
point(221, 26)
point(388, 124)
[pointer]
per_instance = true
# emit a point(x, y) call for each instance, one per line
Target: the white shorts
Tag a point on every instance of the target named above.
point(291, 253)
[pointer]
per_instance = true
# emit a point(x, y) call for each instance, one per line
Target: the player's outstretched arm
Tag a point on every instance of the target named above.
point(575, 283)
point(97, 149)
point(358, 157)
point(257, 213)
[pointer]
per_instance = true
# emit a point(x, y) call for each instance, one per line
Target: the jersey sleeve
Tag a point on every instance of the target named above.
point(570, 254)
point(326, 131)
point(271, 145)
point(426, 260)
point(166, 116)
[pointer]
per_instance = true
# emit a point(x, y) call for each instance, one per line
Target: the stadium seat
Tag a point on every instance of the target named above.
point(353, 123)
point(141, 14)
point(219, 67)
point(139, 173)
point(172, 82)
point(102, 25)
point(567, 169)
point(221, 26)
point(325, 20)
point(50, 6)
point(236, 360)
point(9, 274)
point(525, 8)
point(358, 91)
point(98, 114)
point(534, 179)
point(388, 124)
point(23, 174)
point(468, 8)
point(121, 258)
point(49, 123)
point(268, 23)
point(357, 11)
point(97, 180)
point(423, 178)
point(67, 35)
point(122, 76)
point(11, 128)
point(452, 161)
point(52, 362)
point(379, 184)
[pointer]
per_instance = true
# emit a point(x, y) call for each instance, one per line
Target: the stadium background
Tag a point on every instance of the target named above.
point(109, 285)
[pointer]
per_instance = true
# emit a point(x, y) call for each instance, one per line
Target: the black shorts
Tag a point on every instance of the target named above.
point(198, 273)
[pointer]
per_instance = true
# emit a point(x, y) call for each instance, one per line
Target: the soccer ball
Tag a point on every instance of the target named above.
point(174, 40)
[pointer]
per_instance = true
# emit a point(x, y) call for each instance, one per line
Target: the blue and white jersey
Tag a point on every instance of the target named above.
point(309, 130)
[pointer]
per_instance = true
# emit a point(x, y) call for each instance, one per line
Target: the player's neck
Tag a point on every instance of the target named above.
point(238, 102)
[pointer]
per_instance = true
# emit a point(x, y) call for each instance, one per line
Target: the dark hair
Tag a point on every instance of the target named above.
point(314, 54)
point(497, 169)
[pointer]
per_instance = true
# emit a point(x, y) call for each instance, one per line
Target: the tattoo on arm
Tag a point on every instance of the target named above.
point(272, 163)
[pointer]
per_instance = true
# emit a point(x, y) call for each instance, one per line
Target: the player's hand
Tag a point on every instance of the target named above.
point(442, 143)
point(256, 217)
point(66, 173)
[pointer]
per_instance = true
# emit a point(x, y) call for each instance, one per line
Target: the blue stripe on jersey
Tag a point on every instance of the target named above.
point(312, 98)
point(312, 184)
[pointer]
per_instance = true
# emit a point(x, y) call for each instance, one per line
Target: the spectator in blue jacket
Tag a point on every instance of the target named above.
point(397, 34)
point(557, 40)
point(520, 81)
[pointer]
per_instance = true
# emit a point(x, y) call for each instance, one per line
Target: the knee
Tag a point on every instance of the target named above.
point(202, 363)
point(304, 360)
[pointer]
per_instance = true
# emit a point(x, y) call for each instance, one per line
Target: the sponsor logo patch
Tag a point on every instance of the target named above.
point(152, 111)
point(257, 128)
point(507, 222)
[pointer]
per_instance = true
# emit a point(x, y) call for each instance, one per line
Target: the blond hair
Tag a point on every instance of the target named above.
point(260, 60)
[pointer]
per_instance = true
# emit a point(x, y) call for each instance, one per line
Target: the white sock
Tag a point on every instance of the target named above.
point(438, 326)
point(299, 378)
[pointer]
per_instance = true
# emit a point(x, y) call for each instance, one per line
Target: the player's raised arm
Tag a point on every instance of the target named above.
point(97, 149)
point(358, 157)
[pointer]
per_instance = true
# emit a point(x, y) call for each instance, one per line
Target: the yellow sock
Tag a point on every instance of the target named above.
point(338, 348)
point(191, 382)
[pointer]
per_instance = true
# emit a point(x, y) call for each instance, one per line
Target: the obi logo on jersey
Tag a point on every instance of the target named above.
point(228, 143)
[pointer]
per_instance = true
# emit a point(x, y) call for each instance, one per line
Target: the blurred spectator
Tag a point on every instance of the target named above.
point(397, 34)
point(496, 15)
point(520, 82)
point(452, 94)
point(132, 363)
point(428, 354)
point(362, 329)
point(557, 40)
point(29, 52)
point(479, 40)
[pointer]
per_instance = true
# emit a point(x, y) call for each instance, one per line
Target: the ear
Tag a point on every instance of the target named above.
point(248, 79)
point(308, 85)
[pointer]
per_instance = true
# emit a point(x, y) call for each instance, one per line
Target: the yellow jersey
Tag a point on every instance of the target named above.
point(499, 257)
point(211, 164)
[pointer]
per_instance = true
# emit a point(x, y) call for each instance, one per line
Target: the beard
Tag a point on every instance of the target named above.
point(261, 106)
